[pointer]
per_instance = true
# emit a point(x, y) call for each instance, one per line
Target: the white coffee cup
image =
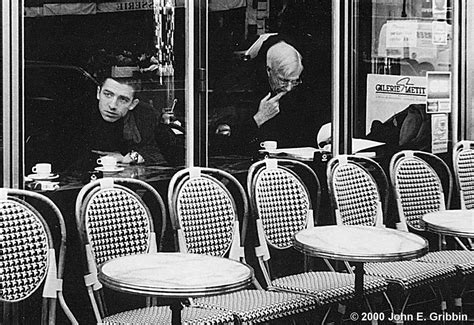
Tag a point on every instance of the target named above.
point(42, 169)
point(268, 145)
point(48, 186)
point(108, 162)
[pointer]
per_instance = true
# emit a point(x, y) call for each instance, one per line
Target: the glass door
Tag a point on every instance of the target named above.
point(400, 81)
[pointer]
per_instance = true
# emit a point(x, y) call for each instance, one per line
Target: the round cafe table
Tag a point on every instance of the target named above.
point(457, 223)
point(175, 275)
point(360, 244)
point(450, 222)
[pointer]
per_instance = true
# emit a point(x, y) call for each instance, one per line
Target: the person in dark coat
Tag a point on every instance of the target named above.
point(119, 125)
point(276, 107)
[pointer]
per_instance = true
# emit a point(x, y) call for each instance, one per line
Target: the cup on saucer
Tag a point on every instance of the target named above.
point(109, 163)
point(268, 145)
point(46, 185)
point(42, 170)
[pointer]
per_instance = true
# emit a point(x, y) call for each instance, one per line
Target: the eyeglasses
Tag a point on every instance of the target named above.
point(286, 82)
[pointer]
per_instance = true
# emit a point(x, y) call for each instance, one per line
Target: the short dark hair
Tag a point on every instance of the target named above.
point(136, 84)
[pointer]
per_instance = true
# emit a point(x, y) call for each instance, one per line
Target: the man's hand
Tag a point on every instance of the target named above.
point(120, 159)
point(268, 108)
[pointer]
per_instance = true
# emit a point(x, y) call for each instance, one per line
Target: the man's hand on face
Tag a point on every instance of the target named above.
point(268, 108)
point(117, 155)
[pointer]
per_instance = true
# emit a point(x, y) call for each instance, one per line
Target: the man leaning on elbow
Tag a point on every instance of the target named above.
point(118, 125)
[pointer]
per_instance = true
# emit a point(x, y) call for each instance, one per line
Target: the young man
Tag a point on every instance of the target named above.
point(119, 125)
point(123, 132)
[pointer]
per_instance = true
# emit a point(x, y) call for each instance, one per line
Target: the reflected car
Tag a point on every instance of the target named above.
point(53, 96)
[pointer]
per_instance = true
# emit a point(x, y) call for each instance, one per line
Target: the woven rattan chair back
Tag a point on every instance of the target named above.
point(357, 197)
point(463, 162)
point(114, 220)
point(27, 253)
point(280, 199)
point(203, 211)
point(25, 248)
point(418, 187)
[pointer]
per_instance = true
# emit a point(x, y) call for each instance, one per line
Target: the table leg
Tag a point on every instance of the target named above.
point(359, 279)
point(176, 308)
point(359, 287)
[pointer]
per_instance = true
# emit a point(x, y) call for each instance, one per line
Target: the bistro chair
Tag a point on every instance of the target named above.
point(282, 204)
point(28, 257)
point(114, 221)
point(463, 163)
point(207, 207)
point(359, 191)
point(419, 180)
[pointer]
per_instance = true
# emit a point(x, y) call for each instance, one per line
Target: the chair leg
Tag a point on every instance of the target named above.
point(398, 299)
point(458, 286)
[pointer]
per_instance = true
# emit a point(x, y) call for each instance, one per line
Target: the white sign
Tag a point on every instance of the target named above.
point(439, 9)
point(388, 95)
point(401, 33)
point(130, 5)
point(439, 133)
point(439, 92)
point(440, 32)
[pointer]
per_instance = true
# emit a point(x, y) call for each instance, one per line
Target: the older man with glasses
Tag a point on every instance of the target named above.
point(276, 106)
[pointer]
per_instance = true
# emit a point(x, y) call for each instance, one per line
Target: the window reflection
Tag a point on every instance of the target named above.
point(408, 40)
point(67, 54)
point(239, 82)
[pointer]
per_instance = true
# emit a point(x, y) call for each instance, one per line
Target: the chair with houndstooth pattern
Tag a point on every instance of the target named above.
point(282, 204)
point(358, 188)
point(207, 208)
point(28, 255)
point(463, 163)
point(114, 221)
point(422, 183)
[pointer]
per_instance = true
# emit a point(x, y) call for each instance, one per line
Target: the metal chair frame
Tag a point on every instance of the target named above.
point(92, 202)
point(437, 199)
point(463, 163)
point(25, 228)
point(351, 174)
point(367, 193)
point(223, 208)
point(290, 171)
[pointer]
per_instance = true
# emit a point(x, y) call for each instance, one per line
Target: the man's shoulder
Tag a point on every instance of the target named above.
point(145, 110)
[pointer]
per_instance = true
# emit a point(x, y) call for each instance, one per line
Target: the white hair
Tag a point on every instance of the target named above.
point(284, 58)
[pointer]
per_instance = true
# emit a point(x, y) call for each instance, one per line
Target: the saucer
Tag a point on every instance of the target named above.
point(42, 177)
point(114, 170)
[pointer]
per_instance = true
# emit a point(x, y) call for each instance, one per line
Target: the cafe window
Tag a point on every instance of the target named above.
point(401, 78)
point(238, 80)
point(70, 47)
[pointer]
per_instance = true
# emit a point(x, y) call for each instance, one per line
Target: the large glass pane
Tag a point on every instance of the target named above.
point(238, 75)
point(71, 47)
point(403, 91)
point(1, 113)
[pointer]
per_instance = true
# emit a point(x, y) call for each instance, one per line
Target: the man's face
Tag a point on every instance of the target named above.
point(115, 100)
point(283, 84)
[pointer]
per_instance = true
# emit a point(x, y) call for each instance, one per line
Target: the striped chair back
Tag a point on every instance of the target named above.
point(463, 162)
point(358, 196)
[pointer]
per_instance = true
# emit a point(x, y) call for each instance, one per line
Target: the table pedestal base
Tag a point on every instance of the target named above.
point(359, 286)
point(176, 308)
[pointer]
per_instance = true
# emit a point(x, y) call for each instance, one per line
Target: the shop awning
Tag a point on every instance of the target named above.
point(39, 8)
